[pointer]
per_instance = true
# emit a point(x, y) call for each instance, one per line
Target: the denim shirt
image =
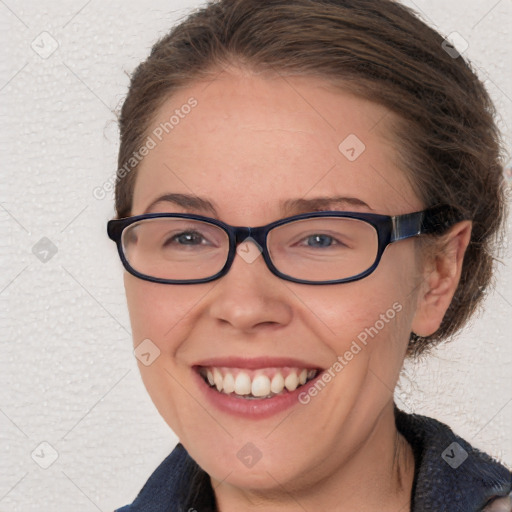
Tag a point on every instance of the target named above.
point(449, 476)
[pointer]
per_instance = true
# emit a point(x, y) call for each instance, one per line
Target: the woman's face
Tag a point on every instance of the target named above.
point(247, 146)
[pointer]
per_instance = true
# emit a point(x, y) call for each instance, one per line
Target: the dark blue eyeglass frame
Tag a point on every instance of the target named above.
point(389, 229)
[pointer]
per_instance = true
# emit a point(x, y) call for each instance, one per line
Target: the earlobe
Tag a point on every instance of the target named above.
point(440, 279)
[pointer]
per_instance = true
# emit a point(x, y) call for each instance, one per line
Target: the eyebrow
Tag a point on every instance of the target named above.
point(186, 201)
point(289, 207)
point(323, 203)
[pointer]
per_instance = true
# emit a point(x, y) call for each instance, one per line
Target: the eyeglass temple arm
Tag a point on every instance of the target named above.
point(434, 220)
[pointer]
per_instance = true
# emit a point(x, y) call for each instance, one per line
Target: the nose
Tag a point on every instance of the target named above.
point(249, 296)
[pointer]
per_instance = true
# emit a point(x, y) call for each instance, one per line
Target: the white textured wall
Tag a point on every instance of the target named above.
point(67, 374)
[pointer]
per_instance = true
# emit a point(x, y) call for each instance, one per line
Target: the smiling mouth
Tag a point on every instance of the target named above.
point(262, 383)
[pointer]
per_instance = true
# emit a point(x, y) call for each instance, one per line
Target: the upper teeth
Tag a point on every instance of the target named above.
point(265, 382)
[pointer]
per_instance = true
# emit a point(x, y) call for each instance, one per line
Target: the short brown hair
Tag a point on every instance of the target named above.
point(447, 140)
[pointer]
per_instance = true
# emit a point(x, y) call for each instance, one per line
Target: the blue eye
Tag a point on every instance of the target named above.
point(187, 238)
point(321, 241)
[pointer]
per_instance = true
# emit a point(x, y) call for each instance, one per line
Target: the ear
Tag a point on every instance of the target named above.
point(440, 279)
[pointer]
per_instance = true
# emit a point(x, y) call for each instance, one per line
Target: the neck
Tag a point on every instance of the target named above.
point(378, 475)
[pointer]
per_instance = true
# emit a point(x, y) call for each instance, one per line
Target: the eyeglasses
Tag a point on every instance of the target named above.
point(325, 247)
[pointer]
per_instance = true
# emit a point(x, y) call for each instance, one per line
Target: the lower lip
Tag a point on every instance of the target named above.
point(255, 409)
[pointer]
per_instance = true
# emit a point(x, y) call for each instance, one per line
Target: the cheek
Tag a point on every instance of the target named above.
point(378, 307)
point(355, 308)
point(164, 315)
point(160, 311)
point(146, 310)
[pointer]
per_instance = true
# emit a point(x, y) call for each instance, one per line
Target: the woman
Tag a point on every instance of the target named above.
point(361, 149)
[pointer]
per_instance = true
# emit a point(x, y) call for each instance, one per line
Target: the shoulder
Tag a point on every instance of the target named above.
point(177, 481)
point(450, 474)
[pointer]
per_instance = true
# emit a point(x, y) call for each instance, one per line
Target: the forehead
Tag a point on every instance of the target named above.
point(249, 144)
